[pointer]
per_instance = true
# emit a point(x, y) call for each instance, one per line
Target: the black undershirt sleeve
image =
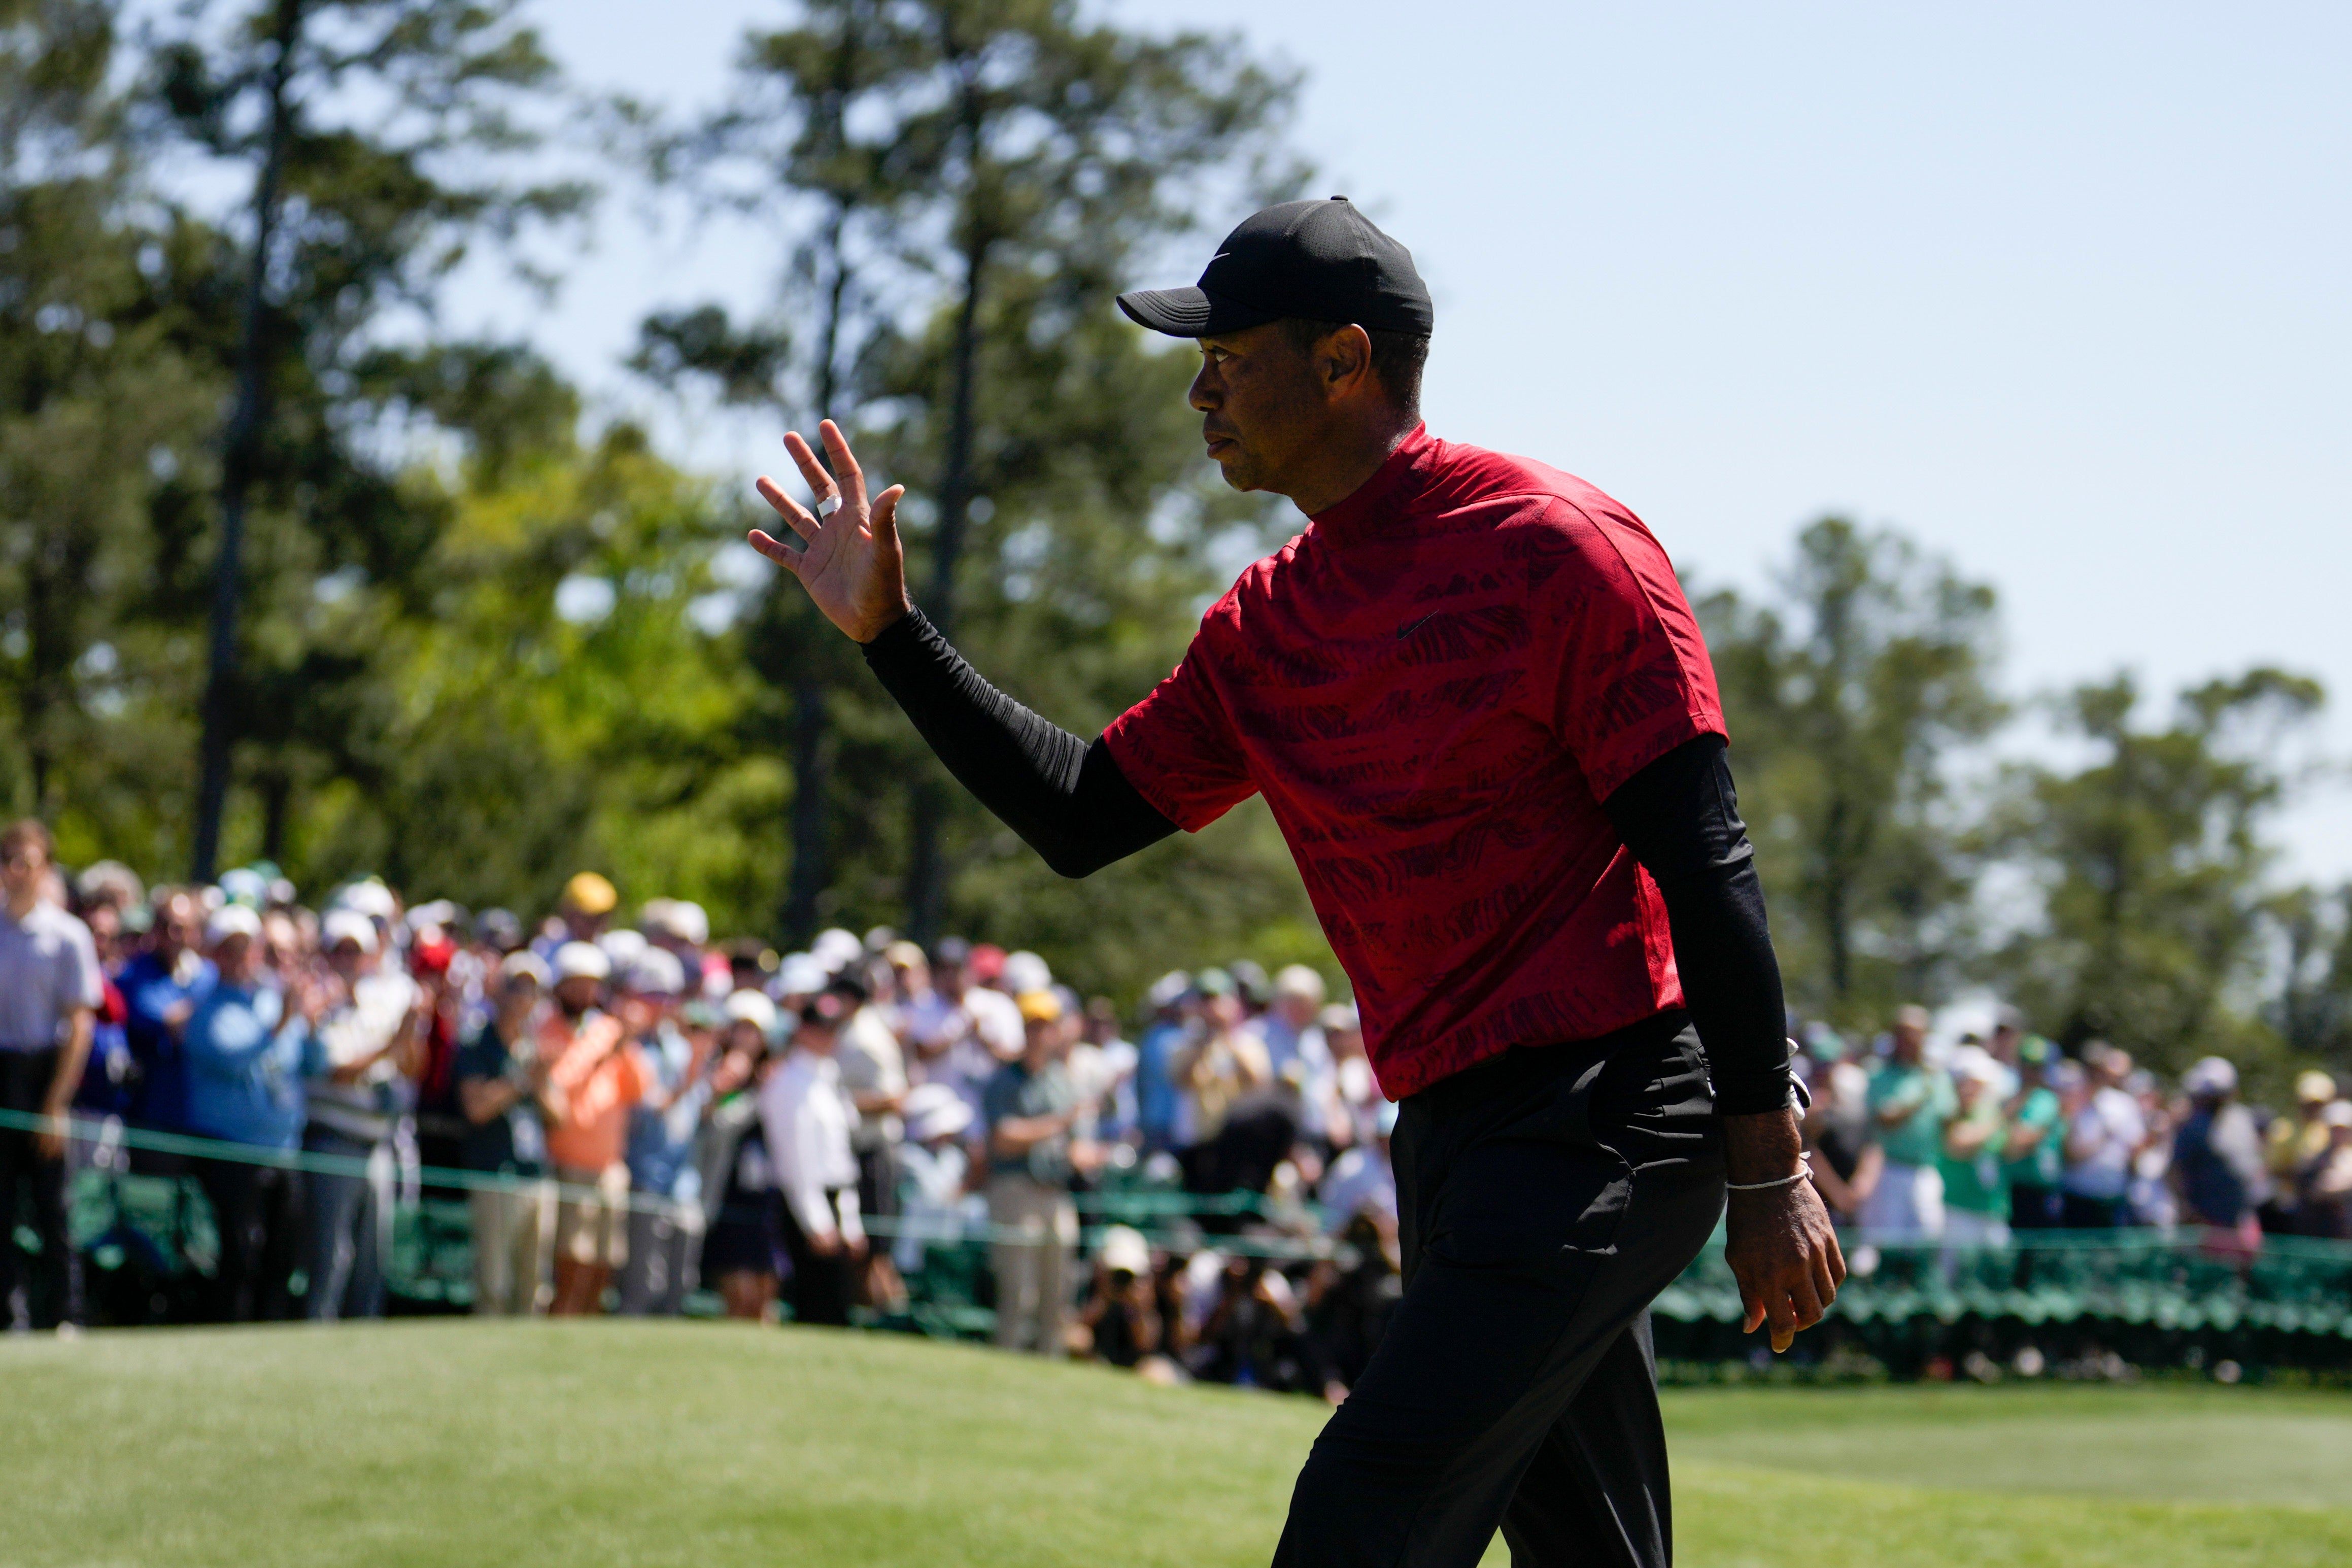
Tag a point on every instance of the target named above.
point(1680, 816)
point(1066, 798)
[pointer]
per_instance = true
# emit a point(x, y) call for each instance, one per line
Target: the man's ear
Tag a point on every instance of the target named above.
point(1343, 360)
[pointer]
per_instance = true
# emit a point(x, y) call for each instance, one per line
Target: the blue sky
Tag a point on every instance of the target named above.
point(2059, 290)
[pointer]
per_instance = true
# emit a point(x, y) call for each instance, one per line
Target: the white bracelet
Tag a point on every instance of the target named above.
point(1802, 1172)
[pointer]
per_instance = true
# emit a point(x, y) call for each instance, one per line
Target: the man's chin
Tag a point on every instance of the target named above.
point(1239, 471)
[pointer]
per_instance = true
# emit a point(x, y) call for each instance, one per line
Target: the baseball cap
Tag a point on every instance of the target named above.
point(655, 972)
point(754, 1008)
point(590, 894)
point(1024, 971)
point(581, 961)
point(1039, 1006)
point(524, 964)
point(934, 1111)
point(235, 920)
point(340, 926)
point(1124, 1249)
point(1319, 261)
point(2314, 1087)
point(1298, 980)
point(2211, 1077)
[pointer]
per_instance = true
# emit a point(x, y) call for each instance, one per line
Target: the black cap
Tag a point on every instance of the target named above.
point(1322, 261)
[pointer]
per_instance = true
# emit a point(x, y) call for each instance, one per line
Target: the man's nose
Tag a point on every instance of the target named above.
point(1204, 396)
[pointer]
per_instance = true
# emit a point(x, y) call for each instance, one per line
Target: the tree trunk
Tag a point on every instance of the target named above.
point(238, 453)
point(926, 871)
point(810, 777)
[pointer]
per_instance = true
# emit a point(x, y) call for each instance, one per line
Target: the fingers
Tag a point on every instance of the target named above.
point(801, 519)
point(1837, 1263)
point(1828, 1270)
point(886, 516)
point(820, 483)
point(844, 464)
point(775, 549)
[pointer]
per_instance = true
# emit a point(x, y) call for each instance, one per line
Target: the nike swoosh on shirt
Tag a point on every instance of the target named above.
point(1405, 631)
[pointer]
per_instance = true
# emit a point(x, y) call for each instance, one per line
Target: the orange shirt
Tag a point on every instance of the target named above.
point(602, 1077)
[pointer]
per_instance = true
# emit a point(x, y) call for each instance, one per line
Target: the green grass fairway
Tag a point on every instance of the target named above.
point(647, 1445)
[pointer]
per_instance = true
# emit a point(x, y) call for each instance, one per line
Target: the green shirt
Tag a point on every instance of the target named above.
point(2042, 1165)
point(1919, 1140)
point(1980, 1185)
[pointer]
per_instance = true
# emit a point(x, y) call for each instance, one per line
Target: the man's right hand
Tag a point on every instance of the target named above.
point(853, 567)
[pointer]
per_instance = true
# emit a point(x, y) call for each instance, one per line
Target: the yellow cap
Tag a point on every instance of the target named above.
point(1040, 1007)
point(590, 894)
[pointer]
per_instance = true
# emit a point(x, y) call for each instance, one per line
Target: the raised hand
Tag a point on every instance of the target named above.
point(853, 567)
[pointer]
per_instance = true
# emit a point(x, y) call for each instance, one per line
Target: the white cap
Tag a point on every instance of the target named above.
point(1169, 989)
point(1977, 1067)
point(655, 972)
point(1298, 980)
point(2211, 1078)
point(934, 1111)
point(2337, 1113)
point(370, 898)
point(524, 964)
point(623, 946)
point(801, 974)
point(1025, 972)
point(836, 950)
point(752, 1008)
point(1123, 1247)
point(346, 924)
point(234, 920)
point(581, 961)
point(678, 920)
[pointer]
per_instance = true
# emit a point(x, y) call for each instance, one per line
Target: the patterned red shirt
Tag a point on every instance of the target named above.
point(1435, 685)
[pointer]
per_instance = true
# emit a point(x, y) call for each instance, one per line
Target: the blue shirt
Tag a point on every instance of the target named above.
point(661, 1143)
point(1155, 1091)
point(244, 1067)
point(149, 991)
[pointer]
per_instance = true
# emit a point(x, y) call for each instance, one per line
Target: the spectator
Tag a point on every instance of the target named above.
point(160, 987)
point(664, 1242)
point(50, 988)
point(1362, 1182)
point(1973, 1170)
point(874, 1076)
point(1843, 1150)
point(1220, 1063)
point(1288, 1029)
point(245, 1046)
point(507, 1099)
point(2036, 1151)
point(366, 1047)
point(2291, 1143)
point(2100, 1139)
point(1102, 1066)
point(740, 1238)
point(808, 1115)
point(1354, 1091)
point(600, 1076)
point(961, 1031)
point(1909, 1104)
point(1118, 1321)
point(2217, 1156)
point(581, 913)
point(2325, 1180)
point(936, 1174)
point(1030, 1109)
point(1157, 1102)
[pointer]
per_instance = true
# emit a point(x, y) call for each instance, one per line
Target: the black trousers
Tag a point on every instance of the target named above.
point(257, 1210)
point(37, 1188)
point(1544, 1200)
point(819, 1292)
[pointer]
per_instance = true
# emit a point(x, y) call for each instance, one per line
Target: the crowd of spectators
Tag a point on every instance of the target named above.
point(641, 1115)
point(649, 1121)
point(1997, 1132)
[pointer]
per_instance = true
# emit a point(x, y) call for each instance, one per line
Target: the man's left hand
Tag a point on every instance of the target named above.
point(1781, 1246)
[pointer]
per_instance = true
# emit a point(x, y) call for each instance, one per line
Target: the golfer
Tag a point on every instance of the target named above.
point(1475, 698)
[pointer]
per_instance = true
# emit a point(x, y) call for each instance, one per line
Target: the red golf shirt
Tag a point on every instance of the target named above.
point(1434, 687)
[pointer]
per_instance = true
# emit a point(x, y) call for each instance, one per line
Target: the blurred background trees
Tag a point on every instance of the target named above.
point(481, 642)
